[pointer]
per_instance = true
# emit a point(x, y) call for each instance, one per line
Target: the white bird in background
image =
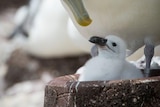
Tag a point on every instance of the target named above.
point(110, 64)
point(49, 29)
point(135, 21)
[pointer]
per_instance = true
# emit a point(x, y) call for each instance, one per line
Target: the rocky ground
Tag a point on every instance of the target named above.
point(22, 76)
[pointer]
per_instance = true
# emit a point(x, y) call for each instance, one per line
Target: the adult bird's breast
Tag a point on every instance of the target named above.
point(132, 20)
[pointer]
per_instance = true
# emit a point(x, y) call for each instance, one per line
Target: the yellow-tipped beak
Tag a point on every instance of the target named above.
point(79, 12)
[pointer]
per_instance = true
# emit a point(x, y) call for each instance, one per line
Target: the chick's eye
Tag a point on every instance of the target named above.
point(114, 44)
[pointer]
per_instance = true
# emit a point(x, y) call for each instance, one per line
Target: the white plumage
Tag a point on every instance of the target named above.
point(51, 33)
point(110, 64)
point(132, 20)
point(135, 21)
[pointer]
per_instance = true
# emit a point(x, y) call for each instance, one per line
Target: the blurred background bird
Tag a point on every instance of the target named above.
point(48, 30)
point(38, 43)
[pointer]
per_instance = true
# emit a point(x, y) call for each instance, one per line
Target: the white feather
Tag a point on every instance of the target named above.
point(108, 65)
point(51, 34)
point(132, 20)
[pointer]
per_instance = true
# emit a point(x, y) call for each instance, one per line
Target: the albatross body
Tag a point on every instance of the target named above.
point(110, 63)
point(132, 20)
point(137, 22)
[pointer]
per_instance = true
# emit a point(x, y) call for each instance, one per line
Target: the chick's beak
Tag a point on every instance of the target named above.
point(98, 40)
point(79, 12)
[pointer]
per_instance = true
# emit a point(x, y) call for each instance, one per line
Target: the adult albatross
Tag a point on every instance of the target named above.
point(136, 21)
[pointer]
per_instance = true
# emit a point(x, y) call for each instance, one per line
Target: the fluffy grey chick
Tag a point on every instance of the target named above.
point(110, 63)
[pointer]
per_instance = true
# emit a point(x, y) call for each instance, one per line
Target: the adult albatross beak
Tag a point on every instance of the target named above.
point(79, 12)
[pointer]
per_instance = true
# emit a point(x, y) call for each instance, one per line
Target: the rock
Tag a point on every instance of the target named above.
point(24, 94)
point(67, 92)
point(22, 66)
point(5, 4)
